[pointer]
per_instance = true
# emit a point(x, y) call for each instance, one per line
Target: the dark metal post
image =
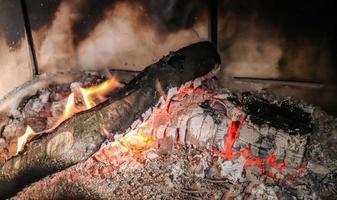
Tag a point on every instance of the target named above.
point(213, 29)
point(29, 35)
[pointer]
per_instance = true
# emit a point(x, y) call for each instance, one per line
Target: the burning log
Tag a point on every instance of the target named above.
point(136, 153)
point(195, 145)
point(77, 138)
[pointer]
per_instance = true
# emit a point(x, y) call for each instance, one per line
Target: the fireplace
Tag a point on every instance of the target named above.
point(167, 100)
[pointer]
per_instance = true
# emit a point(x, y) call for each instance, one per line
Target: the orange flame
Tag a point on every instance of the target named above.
point(104, 88)
point(88, 96)
point(22, 140)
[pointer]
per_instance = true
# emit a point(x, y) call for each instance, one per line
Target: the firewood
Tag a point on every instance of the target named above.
point(77, 138)
point(185, 156)
point(181, 160)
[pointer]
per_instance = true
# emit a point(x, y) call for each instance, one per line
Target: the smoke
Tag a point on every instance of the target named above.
point(174, 15)
point(54, 45)
point(120, 35)
point(165, 15)
point(90, 14)
point(122, 41)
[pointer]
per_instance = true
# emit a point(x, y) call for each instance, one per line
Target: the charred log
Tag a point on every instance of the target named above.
point(176, 170)
point(76, 139)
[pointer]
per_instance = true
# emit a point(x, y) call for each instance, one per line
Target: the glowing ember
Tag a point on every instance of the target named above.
point(137, 143)
point(233, 133)
point(22, 140)
point(127, 151)
point(246, 152)
point(300, 171)
point(255, 162)
point(187, 90)
point(271, 160)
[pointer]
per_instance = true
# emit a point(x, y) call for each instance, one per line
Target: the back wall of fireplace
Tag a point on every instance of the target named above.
point(283, 47)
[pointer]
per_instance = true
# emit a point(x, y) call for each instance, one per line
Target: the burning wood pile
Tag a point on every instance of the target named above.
point(172, 133)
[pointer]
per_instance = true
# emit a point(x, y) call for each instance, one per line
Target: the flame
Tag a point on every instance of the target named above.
point(89, 97)
point(105, 87)
point(70, 106)
point(23, 139)
point(87, 101)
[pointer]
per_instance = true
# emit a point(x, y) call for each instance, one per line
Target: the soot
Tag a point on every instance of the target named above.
point(282, 115)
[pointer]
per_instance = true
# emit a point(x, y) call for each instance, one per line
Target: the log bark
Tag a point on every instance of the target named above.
point(76, 139)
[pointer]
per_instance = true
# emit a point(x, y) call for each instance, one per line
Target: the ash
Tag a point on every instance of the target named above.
point(215, 144)
point(272, 157)
point(185, 173)
point(284, 150)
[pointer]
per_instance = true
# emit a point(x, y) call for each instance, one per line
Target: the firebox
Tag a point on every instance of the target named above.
point(174, 99)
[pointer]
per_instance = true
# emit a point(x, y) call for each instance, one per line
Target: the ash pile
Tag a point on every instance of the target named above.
point(241, 146)
point(203, 143)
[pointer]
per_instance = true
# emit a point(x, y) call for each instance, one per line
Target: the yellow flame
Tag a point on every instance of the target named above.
point(100, 91)
point(89, 103)
point(137, 142)
point(22, 140)
point(87, 95)
point(104, 88)
point(69, 109)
